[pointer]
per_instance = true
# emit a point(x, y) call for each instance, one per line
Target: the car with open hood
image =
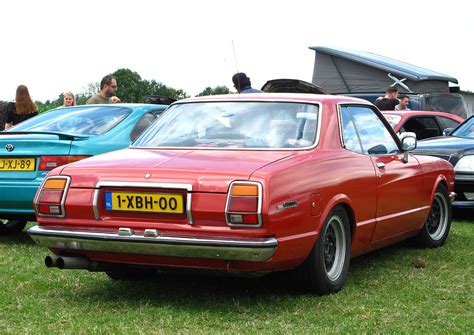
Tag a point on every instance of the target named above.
point(34, 147)
point(247, 184)
point(457, 147)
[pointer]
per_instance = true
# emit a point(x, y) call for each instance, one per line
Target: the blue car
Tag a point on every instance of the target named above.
point(457, 147)
point(60, 136)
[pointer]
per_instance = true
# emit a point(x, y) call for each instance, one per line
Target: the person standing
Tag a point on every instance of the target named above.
point(108, 87)
point(22, 109)
point(69, 99)
point(403, 105)
point(389, 101)
point(242, 83)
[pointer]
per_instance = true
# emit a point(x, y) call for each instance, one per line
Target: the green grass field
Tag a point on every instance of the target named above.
point(398, 289)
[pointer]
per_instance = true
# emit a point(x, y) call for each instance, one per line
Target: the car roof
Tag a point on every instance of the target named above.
point(412, 72)
point(284, 97)
point(415, 112)
point(124, 104)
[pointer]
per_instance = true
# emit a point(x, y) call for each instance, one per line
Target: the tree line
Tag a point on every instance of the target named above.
point(132, 88)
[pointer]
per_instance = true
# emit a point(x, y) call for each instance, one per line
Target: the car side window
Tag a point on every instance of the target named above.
point(423, 127)
point(349, 135)
point(375, 138)
point(448, 123)
point(143, 123)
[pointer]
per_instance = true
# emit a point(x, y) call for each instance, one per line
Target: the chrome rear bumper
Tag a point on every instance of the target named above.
point(252, 250)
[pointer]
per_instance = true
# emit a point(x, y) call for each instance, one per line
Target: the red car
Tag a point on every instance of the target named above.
point(423, 123)
point(249, 183)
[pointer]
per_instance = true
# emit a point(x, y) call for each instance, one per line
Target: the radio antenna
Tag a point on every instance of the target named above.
point(235, 57)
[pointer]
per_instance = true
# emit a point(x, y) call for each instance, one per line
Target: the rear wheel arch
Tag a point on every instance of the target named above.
point(343, 201)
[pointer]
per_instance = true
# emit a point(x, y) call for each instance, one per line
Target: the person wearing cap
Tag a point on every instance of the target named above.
point(242, 83)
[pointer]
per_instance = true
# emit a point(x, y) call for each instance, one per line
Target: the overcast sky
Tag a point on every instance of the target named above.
point(54, 46)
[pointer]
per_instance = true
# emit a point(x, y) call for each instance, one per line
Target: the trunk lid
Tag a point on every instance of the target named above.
point(20, 152)
point(204, 170)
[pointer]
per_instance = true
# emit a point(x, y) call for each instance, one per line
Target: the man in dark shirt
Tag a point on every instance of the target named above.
point(242, 83)
point(389, 101)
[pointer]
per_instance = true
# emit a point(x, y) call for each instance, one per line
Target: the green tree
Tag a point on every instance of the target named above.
point(132, 88)
point(214, 91)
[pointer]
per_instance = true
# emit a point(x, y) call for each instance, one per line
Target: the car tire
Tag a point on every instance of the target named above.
point(131, 275)
point(325, 269)
point(435, 230)
point(11, 226)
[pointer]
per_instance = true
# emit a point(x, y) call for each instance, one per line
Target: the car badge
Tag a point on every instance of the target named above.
point(288, 204)
point(147, 175)
point(9, 147)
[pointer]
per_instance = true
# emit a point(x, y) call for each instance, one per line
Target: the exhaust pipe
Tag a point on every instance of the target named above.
point(51, 261)
point(73, 263)
point(84, 263)
point(65, 262)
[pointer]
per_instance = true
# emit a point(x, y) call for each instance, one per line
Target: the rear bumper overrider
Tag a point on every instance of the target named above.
point(225, 248)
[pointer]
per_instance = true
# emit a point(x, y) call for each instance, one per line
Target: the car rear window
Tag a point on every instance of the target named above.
point(81, 120)
point(251, 125)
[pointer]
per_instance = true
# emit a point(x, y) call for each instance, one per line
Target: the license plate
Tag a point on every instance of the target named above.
point(144, 202)
point(17, 164)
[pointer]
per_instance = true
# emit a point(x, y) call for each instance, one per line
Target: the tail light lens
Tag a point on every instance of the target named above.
point(244, 204)
point(49, 200)
point(51, 162)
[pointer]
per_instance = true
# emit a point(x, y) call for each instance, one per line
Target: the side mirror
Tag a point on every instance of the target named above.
point(408, 140)
point(447, 131)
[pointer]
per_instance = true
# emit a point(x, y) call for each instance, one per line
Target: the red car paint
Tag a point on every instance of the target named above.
point(384, 205)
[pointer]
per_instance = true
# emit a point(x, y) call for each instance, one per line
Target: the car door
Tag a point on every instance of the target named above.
point(399, 182)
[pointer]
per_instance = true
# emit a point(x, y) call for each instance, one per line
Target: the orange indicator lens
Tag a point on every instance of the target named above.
point(55, 184)
point(244, 190)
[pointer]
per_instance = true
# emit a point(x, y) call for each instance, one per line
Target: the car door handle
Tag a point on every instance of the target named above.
point(381, 165)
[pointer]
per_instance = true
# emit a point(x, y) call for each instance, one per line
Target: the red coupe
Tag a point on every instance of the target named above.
point(424, 124)
point(249, 183)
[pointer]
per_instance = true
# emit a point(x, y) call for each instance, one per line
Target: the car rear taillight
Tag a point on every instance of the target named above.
point(49, 200)
point(51, 162)
point(244, 204)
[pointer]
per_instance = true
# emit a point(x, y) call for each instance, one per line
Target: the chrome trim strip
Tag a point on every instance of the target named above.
point(259, 206)
point(95, 201)
point(63, 199)
point(224, 248)
point(188, 208)
point(187, 187)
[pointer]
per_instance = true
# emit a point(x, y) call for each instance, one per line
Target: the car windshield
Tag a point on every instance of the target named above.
point(392, 119)
point(83, 120)
point(465, 129)
point(252, 125)
point(453, 104)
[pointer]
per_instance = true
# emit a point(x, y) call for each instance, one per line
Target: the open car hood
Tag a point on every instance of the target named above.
point(291, 86)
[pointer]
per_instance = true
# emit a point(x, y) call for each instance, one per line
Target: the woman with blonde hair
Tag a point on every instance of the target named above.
point(22, 109)
point(69, 99)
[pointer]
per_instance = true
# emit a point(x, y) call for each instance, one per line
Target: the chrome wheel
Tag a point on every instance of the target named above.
point(435, 230)
point(334, 248)
point(438, 218)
